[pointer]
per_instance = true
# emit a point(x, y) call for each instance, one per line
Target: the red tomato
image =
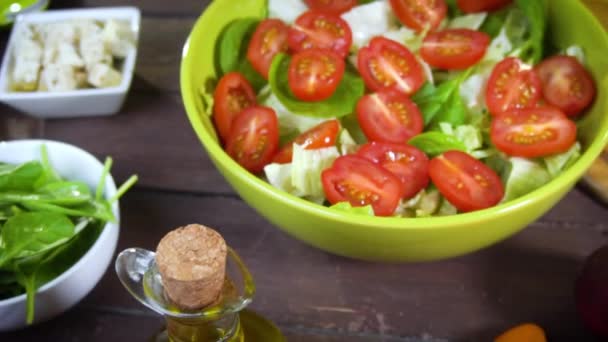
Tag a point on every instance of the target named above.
point(419, 14)
point(254, 138)
point(322, 135)
point(472, 6)
point(454, 48)
point(269, 38)
point(232, 94)
point(567, 85)
point(320, 30)
point(360, 182)
point(533, 132)
point(512, 86)
point(331, 6)
point(385, 63)
point(466, 182)
point(406, 162)
point(314, 74)
point(389, 116)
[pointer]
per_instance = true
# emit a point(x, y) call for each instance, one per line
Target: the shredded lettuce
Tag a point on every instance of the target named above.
point(522, 176)
point(576, 52)
point(470, 21)
point(302, 177)
point(369, 20)
point(346, 143)
point(560, 162)
point(286, 10)
point(289, 123)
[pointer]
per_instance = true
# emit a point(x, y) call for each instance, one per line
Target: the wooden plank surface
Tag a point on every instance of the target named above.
point(311, 295)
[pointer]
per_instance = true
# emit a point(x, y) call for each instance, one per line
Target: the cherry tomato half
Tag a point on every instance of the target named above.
point(466, 182)
point(454, 48)
point(406, 162)
point(269, 39)
point(567, 85)
point(533, 132)
point(360, 182)
point(322, 135)
point(473, 6)
point(254, 138)
point(232, 94)
point(385, 63)
point(331, 6)
point(419, 14)
point(314, 74)
point(320, 30)
point(512, 85)
point(389, 116)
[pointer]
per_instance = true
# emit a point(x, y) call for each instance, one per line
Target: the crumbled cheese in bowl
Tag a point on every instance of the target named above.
point(70, 55)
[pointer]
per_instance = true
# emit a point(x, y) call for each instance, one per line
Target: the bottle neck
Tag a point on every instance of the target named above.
point(225, 329)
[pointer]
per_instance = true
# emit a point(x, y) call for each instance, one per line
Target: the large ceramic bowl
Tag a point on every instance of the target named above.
point(71, 286)
point(394, 239)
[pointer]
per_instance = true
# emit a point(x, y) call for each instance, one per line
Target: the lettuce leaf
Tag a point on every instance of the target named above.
point(471, 21)
point(560, 162)
point(341, 103)
point(522, 176)
point(435, 143)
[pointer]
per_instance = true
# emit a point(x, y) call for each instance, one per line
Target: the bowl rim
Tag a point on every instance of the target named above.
point(110, 189)
point(100, 13)
point(209, 140)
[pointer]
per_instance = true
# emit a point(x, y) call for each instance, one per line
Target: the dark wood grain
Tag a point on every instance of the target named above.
point(311, 295)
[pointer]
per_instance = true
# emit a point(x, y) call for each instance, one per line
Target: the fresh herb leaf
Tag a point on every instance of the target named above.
point(495, 21)
point(435, 143)
point(341, 103)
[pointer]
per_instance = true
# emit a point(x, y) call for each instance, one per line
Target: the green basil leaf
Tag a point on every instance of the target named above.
point(341, 103)
point(20, 177)
point(435, 143)
point(454, 112)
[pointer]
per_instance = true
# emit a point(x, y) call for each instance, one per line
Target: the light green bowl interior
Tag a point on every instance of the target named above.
point(394, 239)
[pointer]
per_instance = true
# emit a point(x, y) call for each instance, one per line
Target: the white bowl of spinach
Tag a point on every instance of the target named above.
point(59, 225)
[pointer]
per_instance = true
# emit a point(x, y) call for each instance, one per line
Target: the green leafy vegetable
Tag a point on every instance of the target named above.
point(435, 143)
point(341, 103)
point(232, 51)
point(536, 14)
point(47, 224)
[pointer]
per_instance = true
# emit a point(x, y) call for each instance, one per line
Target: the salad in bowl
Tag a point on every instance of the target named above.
point(305, 146)
point(400, 108)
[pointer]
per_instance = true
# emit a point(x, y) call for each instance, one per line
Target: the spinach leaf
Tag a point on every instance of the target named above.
point(495, 21)
point(49, 175)
point(341, 103)
point(20, 177)
point(32, 274)
point(28, 233)
point(435, 143)
point(232, 52)
point(536, 14)
point(98, 210)
point(443, 103)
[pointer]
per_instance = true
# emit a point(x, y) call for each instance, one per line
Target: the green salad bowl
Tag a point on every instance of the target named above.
point(393, 239)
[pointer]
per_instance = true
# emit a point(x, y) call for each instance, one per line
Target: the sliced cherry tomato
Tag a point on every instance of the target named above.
point(406, 162)
point(567, 85)
point(473, 6)
point(322, 135)
point(389, 116)
point(385, 63)
point(360, 182)
point(533, 132)
point(331, 6)
point(232, 94)
point(269, 38)
point(315, 29)
point(254, 138)
point(454, 48)
point(420, 14)
point(315, 74)
point(512, 85)
point(466, 182)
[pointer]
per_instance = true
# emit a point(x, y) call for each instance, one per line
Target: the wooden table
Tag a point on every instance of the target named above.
point(311, 295)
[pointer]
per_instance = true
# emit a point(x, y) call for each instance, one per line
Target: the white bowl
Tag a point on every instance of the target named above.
point(83, 102)
point(70, 287)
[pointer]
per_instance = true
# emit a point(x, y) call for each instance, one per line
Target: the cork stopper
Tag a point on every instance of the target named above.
point(192, 263)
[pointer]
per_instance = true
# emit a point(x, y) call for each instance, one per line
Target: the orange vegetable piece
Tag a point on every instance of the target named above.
point(523, 333)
